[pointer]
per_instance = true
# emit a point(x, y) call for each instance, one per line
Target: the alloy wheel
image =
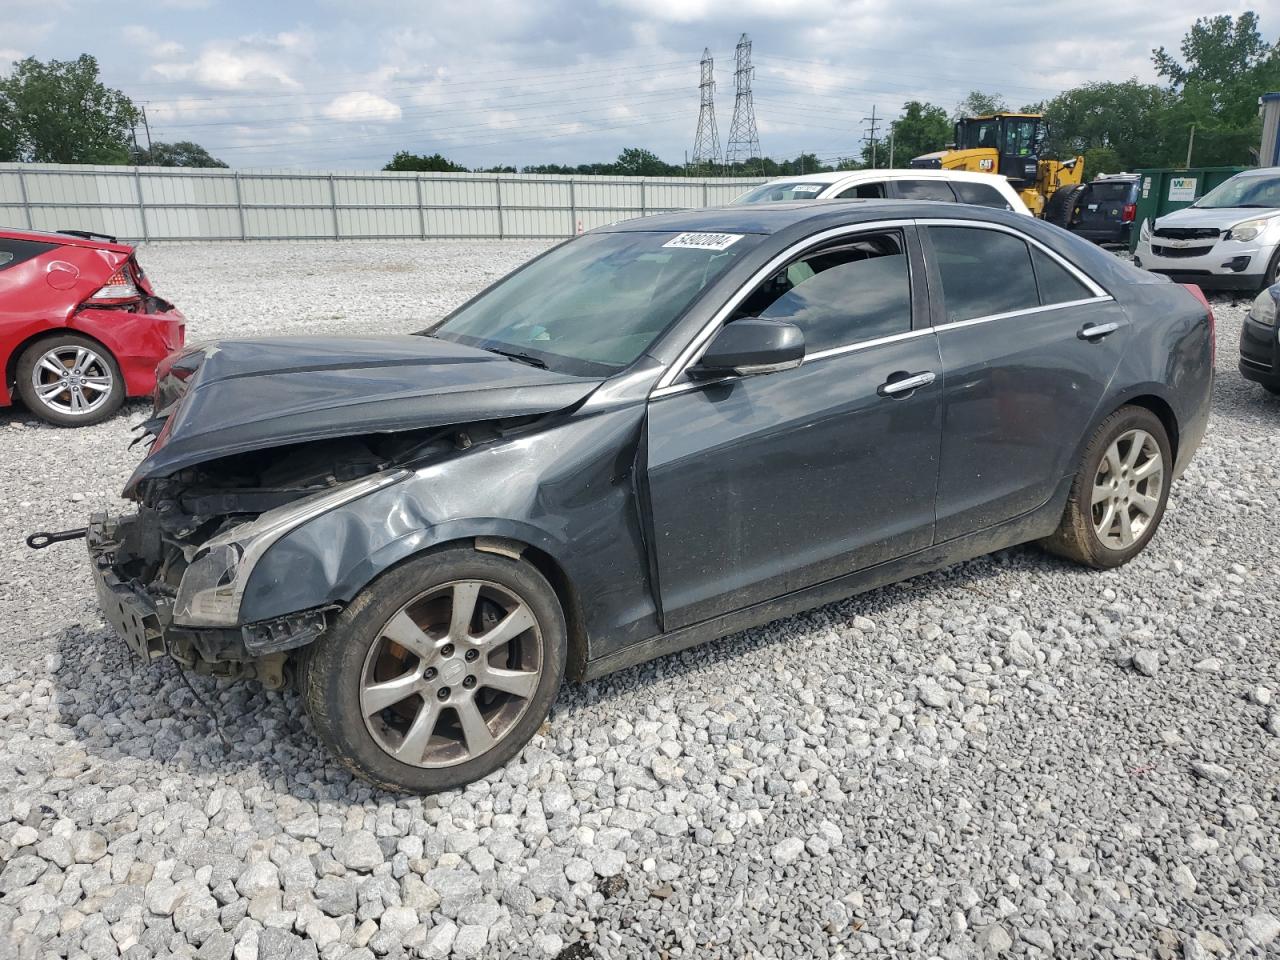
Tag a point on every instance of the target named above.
point(1127, 489)
point(72, 380)
point(451, 673)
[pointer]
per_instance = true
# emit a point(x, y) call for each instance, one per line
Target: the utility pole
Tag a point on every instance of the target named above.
point(706, 142)
point(146, 128)
point(871, 134)
point(1190, 142)
point(891, 147)
point(744, 140)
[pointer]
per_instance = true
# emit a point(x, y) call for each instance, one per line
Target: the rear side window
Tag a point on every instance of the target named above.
point(14, 252)
point(980, 194)
point(863, 191)
point(840, 295)
point(1056, 283)
point(984, 272)
point(925, 190)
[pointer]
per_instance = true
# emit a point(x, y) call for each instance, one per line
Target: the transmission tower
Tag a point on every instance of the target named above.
point(744, 139)
point(706, 143)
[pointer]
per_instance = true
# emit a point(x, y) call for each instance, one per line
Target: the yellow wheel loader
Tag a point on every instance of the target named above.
point(1013, 145)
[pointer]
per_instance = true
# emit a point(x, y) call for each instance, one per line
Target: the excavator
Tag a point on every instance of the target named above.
point(1013, 146)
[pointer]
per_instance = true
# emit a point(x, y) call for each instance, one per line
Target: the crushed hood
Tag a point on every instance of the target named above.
point(233, 396)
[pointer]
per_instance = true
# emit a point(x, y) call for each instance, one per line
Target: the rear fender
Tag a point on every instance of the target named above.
point(43, 294)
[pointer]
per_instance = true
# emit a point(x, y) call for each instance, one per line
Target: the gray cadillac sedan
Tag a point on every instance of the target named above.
point(660, 432)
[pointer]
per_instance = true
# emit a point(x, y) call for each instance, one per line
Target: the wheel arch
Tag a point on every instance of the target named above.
point(48, 333)
point(312, 585)
point(1148, 396)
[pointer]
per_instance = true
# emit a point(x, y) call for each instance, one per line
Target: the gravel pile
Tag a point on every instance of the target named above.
point(1013, 757)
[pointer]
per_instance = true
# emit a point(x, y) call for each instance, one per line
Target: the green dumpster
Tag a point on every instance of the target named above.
point(1164, 190)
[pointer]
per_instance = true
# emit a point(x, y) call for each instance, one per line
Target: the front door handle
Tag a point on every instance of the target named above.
point(1096, 331)
point(905, 383)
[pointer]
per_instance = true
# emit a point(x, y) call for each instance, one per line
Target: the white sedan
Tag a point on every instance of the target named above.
point(952, 186)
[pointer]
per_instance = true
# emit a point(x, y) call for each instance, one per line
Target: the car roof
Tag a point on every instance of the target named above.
point(886, 173)
point(1259, 172)
point(65, 239)
point(770, 218)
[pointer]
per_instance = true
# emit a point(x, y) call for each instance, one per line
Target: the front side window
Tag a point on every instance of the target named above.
point(852, 291)
point(925, 190)
point(593, 305)
point(984, 272)
point(780, 192)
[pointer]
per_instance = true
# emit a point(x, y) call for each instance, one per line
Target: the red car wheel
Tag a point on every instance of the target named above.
point(70, 381)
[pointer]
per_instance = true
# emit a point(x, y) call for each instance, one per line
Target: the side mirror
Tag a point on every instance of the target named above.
point(752, 345)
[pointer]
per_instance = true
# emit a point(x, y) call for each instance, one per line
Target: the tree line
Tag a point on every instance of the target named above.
point(61, 112)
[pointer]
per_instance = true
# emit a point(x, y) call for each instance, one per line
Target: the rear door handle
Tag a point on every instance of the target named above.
point(1096, 331)
point(908, 383)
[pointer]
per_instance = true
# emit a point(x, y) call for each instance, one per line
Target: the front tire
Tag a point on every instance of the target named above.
point(439, 672)
point(1061, 206)
point(1119, 495)
point(69, 380)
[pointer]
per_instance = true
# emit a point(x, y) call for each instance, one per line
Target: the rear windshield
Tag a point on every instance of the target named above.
point(1110, 191)
point(772, 192)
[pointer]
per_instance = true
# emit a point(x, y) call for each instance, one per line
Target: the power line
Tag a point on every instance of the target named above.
point(744, 139)
point(706, 142)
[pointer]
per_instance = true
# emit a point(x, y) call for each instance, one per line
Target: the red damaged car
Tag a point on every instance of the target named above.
point(80, 326)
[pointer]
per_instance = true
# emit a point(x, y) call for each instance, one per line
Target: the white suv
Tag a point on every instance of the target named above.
point(953, 186)
point(1230, 237)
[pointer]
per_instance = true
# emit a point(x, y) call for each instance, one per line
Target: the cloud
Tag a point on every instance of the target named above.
point(150, 41)
point(244, 64)
point(362, 106)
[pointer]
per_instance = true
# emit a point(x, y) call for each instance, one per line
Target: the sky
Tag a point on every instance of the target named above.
point(344, 84)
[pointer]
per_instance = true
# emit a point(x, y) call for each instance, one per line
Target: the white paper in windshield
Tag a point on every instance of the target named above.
point(704, 241)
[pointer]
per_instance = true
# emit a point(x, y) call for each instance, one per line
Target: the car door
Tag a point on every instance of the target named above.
point(1028, 345)
point(765, 484)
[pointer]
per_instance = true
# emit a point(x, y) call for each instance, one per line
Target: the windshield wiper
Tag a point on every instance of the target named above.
point(519, 357)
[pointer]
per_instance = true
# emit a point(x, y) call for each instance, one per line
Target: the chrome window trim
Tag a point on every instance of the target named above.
point(666, 385)
point(693, 349)
point(1088, 281)
point(678, 388)
point(1028, 311)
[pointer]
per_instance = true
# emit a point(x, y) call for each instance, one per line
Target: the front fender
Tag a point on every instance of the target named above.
point(569, 490)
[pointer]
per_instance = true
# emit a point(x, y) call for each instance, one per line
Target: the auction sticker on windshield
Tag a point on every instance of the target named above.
point(704, 241)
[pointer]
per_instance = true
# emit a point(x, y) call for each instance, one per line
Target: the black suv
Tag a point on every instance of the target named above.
point(1106, 207)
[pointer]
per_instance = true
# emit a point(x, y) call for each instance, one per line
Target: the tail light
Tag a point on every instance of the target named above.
point(1129, 213)
point(1196, 292)
point(119, 288)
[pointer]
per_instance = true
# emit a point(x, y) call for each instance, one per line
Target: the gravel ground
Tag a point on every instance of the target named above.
point(1010, 757)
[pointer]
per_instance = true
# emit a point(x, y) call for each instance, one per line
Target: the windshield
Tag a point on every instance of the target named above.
point(1251, 191)
point(771, 192)
point(593, 305)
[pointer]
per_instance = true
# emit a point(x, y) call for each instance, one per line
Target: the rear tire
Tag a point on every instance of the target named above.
point(92, 388)
point(1119, 495)
point(1060, 208)
point(412, 696)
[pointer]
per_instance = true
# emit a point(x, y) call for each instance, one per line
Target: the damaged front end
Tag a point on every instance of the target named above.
point(248, 441)
point(170, 578)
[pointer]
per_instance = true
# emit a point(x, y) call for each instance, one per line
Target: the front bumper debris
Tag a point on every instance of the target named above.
point(137, 617)
point(143, 619)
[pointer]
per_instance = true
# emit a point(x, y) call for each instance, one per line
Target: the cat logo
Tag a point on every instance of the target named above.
point(986, 164)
